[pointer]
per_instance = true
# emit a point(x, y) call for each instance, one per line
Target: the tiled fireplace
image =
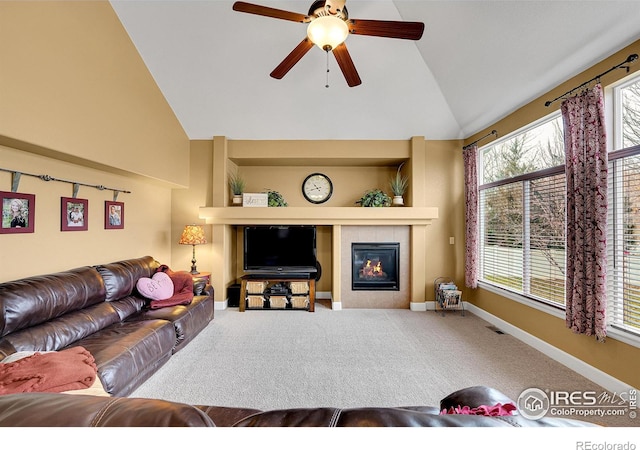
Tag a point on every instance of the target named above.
point(387, 245)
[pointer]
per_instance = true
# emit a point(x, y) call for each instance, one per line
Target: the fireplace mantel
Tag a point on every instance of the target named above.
point(319, 215)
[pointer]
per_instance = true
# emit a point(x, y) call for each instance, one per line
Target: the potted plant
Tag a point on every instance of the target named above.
point(374, 198)
point(237, 184)
point(275, 198)
point(399, 184)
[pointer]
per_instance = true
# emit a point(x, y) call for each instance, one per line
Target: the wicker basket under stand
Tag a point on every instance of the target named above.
point(294, 291)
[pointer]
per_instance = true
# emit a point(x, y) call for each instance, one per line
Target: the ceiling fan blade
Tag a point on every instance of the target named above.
point(292, 58)
point(387, 28)
point(346, 65)
point(270, 12)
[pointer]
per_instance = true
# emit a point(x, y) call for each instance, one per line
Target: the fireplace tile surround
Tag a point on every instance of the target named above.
point(383, 298)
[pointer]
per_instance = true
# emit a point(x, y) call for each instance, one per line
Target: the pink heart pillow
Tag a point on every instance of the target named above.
point(158, 287)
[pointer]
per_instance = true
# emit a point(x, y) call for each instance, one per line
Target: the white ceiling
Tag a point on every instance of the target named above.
point(477, 61)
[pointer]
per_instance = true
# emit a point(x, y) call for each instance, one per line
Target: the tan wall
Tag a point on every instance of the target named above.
point(79, 104)
point(620, 360)
point(323, 248)
point(354, 167)
point(73, 84)
point(147, 219)
point(184, 209)
point(444, 188)
point(349, 183)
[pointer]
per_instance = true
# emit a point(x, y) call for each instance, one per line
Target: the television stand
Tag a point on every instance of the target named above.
point(276, 291)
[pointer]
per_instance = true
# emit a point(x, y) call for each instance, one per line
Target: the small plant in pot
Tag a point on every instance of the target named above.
point(399, 184)
point(374, 198)
point(275, 198)
point(236, 184)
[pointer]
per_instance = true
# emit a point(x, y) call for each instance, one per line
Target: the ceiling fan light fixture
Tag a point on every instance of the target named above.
point(327, 32)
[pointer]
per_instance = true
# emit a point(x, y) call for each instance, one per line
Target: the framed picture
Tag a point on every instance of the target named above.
point(113, 215)
point(74, 214)
point(18, 212)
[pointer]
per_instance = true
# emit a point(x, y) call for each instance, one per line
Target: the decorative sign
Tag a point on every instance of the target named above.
point(255, 200)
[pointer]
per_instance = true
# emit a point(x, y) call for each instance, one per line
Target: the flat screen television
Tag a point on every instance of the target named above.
point(280, 248)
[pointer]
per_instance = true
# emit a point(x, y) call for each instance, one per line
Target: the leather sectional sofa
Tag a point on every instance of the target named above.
point(99, 308)
point(63, 410)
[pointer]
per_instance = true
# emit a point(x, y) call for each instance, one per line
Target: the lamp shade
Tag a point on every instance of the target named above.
point(327, 32)
point(193, 235)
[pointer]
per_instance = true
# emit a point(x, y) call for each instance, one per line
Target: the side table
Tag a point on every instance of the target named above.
point(200, 280)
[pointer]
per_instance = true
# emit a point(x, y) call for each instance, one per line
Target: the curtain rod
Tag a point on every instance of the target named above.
point(630, 59)
point(478, 140)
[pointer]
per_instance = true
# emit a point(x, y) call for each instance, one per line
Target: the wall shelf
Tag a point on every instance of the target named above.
point(319, 215)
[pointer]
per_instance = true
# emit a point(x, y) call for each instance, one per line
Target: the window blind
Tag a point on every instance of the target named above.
point(522, 229)
point(624, 243)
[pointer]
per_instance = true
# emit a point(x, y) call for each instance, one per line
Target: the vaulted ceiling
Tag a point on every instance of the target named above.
point(477, 62)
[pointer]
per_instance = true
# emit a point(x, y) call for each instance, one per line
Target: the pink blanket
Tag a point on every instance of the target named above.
point(483, 410)
point(182, 289)
point(66, 370)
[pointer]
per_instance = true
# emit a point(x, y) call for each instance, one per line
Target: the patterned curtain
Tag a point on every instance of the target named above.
point(586, 171)
point(470, 157)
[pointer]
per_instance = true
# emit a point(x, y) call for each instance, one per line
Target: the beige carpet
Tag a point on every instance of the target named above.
point(353, 358)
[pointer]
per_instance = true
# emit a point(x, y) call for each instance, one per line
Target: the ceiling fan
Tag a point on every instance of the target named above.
point(329, 26)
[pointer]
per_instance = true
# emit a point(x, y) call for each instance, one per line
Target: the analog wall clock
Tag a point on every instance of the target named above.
point(317, 188)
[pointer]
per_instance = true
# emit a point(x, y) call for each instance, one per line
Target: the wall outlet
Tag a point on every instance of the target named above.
point(452, 240)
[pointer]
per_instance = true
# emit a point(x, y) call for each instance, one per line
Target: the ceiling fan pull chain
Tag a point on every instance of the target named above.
point(327, 85)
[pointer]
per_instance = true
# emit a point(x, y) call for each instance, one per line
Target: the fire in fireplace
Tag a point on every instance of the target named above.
point(375, 266)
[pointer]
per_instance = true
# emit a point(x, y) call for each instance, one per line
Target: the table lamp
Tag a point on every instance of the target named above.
point(193, 235)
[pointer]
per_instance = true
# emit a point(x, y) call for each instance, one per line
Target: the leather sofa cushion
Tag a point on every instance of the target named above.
point(120, 277)
point(128, 306)
point(188, 320)
point(128, 353)
point(63, 331)
point(34, 300)
point(40, 409)
point(60, 410)
point(390, 417)
point(227, 416)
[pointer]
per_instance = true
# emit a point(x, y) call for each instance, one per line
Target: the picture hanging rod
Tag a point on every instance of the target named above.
point(623, 65)
point(478, 140)
point(100, 187)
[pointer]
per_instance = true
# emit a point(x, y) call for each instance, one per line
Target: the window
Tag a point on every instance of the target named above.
point(522, 212)
point(624, 211)
point(629, 99)
point(624, 241)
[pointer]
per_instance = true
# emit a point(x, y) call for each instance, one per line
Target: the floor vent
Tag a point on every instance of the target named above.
point(496, 329)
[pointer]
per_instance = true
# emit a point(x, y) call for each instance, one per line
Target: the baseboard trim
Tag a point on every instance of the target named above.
point(430, 306)
point(220, 305)
point(418, 306)
point(577, 365)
